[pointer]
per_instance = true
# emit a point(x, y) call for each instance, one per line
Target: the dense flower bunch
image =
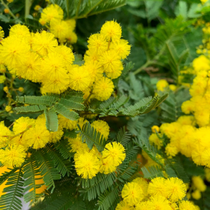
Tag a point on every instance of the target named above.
point(25, 133)
point(39, 58)
point(160, 193)
point(52, 17)
point(192, 130)
point(89, 162)
point(30, 133)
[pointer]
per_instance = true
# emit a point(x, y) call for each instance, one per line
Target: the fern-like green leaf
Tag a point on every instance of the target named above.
point(6, 175)
point(31, 173)
point(64, 149)
point(152, 172)
point(91, 188)
point(171, 107)
point(92, 137)
point(47, 169)
point(14, 192)
point(149, 149)
point(177, 166)
point(82, 9)
point(109, 199)
point(63, 166)
point(134, 109)
point(123, 137)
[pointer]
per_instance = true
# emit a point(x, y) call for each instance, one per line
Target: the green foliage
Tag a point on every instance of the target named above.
point(64, 149)
point(91, 188)
point(14, 191)
point(47, 169)
point(171, 107)
point(51, 105)
point(152, 172)
point(122, 107)
point(64, 167)
point(30, 170)
point(92, 137)
point(145, 9)
point(123, 137)
point(204, 203)
point(51, 120)
point(81, 9)
point(109, 199)
point(163, 42)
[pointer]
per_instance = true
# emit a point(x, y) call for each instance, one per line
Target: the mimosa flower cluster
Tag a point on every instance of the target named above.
point(160, 193)
point(89, 162)
point(52, 17)
point(30, 133)
point(39, 58)
point(192, 131)
point(25, 133)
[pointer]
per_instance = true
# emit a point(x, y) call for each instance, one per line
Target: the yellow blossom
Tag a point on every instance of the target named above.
point(132, 193)
point(111, 30)
point(86, 164)
point(103, 89)
point(102, 127)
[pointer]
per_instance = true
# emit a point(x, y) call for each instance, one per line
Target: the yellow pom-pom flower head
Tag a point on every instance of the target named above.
point(111, 64)
point(158, 186)
point(12, 156)
point(114, 152)
point(103, 89)
point(55, 77)
point(37, 136)
point(97, 43)
point(158, 202)
point(132, 193)
point(86, 164)
point(161, 85)
point(66, 54)
point(51, 12)
point(142, 183)
point(155, 129)
point(29, 67)
point(12, 50)
point(102, 127)
point(20, 32)
point(111, 30)
point(121, 47)
point(5, 134)
point(79, 79)
point(94, 70)
point(61, 30)
point(196, 194)
point(43, 43)
point(187, 205)
point(176, 189)
point(23, 124)
point(123, 206)
point(77, 145)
